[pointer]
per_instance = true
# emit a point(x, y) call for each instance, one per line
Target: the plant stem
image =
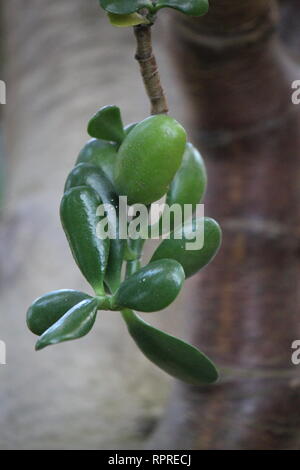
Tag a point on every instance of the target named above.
point(149, 69)
point(137, 249)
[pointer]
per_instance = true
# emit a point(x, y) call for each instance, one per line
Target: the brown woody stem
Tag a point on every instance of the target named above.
point(149, 70)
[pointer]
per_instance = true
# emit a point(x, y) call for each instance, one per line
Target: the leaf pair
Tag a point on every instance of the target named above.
point(61, 316)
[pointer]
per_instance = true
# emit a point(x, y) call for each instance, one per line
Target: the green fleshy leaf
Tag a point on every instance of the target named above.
point(101, 153)
point(85, 174)
point(152, 288)
point(46, 310)
point(191, 260)
point(176, 357)
point(107, 124)
point(125, 7)
point(124, 21)
point(78, 213)
point(188, 7)
point(77, 322)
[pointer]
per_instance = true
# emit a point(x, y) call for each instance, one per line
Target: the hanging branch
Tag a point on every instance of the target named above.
point(149, 69)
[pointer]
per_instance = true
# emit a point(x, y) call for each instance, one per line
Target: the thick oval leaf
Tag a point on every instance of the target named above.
point(101, 153)
point(107, 124)
point(85, 174)
point(78, 212)
point(77, 322)
point(191, 260)
point(123, 21)
point(148, 159)
point(189, 183)
point(189, 7)
point(46, 310)
point(174, 356)
point(129, 127)
point(123, 7)
point(152, 288)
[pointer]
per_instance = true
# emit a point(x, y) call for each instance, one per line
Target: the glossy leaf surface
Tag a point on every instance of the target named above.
point(191, 260)
point(152, 288)
point(148, 159)
point(85, 174)
point(46, 310)
point(77, 322)
point(174, 356)
point(79, 218)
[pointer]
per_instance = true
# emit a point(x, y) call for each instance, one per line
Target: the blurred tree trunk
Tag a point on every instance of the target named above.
point(238, 78)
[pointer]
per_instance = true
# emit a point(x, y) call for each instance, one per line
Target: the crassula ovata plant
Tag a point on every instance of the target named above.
point(143, 161)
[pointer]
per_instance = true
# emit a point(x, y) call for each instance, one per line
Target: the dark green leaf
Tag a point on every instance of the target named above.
point(191, 260)
point(85, 174)
point(107, 124)
point(152, 288)
point(189, 7)
point(174, 356)
point(76, 323)
point(79, 218)
point(101, 153)
point(46, 310)
point(124, 7)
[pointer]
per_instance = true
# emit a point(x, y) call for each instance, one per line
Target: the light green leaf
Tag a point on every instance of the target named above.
point(123, 21)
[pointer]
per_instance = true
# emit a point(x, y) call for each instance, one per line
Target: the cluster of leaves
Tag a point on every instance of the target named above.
point(118, 161)
point(128, 12)
point(143, 161)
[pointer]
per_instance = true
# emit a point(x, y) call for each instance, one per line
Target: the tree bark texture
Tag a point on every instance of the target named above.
point(237, 74)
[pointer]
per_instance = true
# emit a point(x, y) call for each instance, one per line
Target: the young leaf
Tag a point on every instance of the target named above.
point(123, 21)
point(188, 7)
point(78, 212)
point(77, 322)
point(46, 310)
point(107, 124)
point(124, 7)
point(174, 356)
point(191, 260)
point(152, 288)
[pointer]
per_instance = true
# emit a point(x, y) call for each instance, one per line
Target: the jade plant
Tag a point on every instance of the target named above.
point(143, 161)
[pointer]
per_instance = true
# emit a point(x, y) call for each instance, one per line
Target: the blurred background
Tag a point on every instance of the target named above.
point(62, 61)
